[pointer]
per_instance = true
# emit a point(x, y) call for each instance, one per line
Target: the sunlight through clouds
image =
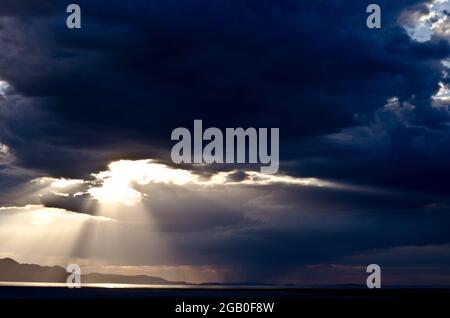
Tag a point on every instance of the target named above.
point(116, 182)
point(38, 231)
point(117, 185)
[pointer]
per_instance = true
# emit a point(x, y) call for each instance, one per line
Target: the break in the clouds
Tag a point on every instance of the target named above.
point(364, 135)
point(427, 20)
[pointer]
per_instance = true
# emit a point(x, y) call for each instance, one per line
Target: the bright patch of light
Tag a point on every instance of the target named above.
point(394, 105)
point(422, 26)
point(392, 102)
point(41, 217)
point(4, 150)
point(64, 183)
point(117, 181)
point(58, 183)
point(446, 63)
point(61, 194)
point(3, 87)
point(442, 96)
point(5, 154)
point(116, 190)
point(257, 178)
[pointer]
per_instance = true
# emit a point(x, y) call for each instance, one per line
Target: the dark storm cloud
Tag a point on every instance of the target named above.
point(27, 8)
point(135, 71)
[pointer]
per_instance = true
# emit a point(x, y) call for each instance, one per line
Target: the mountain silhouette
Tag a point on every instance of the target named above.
point(12, 271)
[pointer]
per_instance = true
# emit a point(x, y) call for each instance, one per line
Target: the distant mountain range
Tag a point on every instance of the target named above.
point(12, 271)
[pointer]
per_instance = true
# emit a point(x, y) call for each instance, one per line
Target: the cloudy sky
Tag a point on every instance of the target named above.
point(86, 117)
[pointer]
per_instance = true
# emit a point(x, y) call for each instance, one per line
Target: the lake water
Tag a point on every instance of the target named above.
point(140, 286)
